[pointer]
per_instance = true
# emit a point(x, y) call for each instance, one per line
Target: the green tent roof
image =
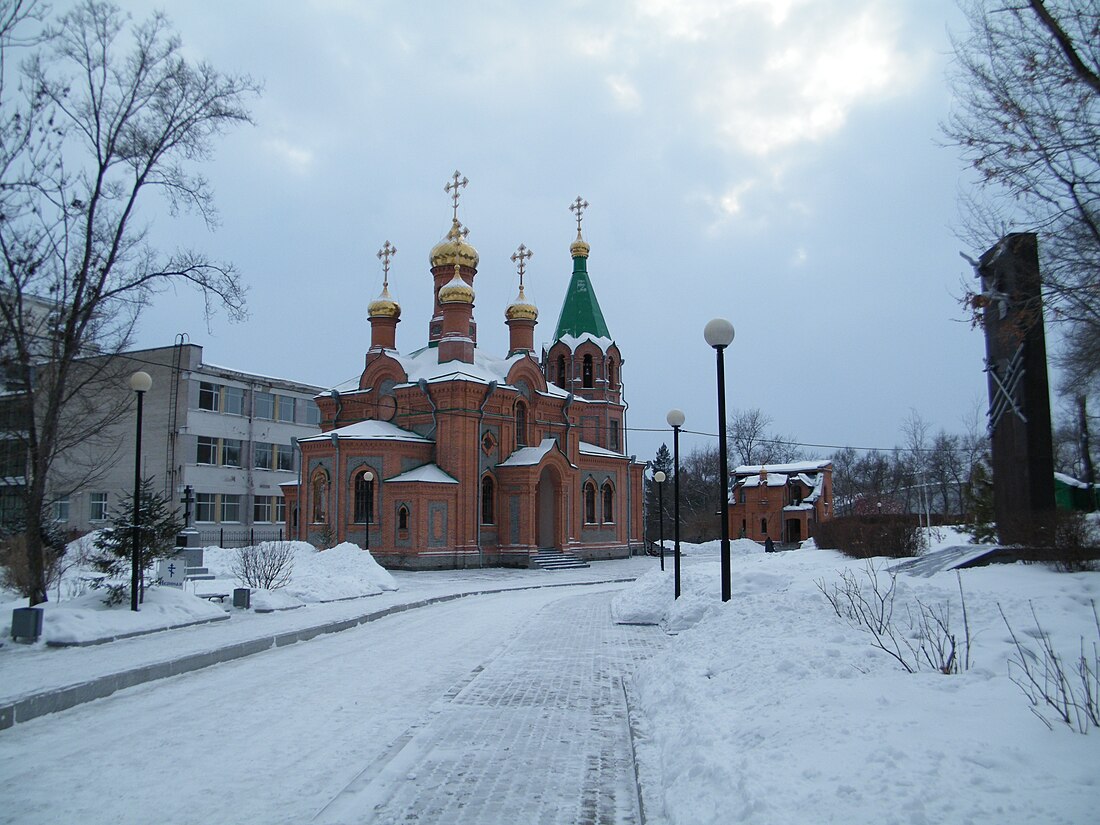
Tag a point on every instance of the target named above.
point(580, 312)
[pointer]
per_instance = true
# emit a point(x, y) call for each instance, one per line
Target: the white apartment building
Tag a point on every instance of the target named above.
point(221, 438)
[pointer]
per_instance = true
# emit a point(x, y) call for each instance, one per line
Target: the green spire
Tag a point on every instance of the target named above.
point(580, 312)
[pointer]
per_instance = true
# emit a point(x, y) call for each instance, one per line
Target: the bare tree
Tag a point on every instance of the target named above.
point(108, 114)
point(1027, 120)
point(753, 442)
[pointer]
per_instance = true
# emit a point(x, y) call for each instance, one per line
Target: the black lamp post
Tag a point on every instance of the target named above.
point(659, 477)
point(675, 419)
point(368, 477)
point(719, 334)
point(140, 382)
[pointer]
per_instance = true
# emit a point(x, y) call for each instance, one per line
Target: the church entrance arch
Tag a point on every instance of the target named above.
point(794, 530)
point(548, 502)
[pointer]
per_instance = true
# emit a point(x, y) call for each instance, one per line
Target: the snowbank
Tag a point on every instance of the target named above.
point(772, 709)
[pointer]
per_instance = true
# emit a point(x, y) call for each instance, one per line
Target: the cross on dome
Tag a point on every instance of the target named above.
point(387, 251)
point(577, 208)
point(520, 258)
point(452, 189)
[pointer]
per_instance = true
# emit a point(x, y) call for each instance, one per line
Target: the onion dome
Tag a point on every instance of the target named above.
point(521, 308)
point(579, 248)
point(456, 290)
point(384, 306)
point(453, 249)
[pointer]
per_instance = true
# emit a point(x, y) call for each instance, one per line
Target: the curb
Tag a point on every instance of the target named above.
point(31, 706)
point(105, 639)
point(647, 771)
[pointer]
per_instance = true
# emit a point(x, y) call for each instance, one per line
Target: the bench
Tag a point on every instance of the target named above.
point(221, 597)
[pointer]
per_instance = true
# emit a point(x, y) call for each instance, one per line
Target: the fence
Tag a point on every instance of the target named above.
point(239, 536)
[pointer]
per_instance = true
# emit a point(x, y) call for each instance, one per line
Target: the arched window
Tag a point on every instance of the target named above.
point(586, 373)
point(364, 498)
point(589, 503)
point(611, 382)
point(521, 424)
point(402, 517)
point(562, 378)
point(764, 526)
point(608, 503)
point(487, 498)
point(319, 490)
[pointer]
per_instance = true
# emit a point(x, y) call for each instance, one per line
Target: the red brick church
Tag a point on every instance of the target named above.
point(449, 456)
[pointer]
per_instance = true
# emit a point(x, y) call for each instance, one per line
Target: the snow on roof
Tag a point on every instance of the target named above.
point(774, 480)
point(574, 341)
point(795, 467)
point(1071, 481)
point(370, 431)
point(529, 456)
point(300, 386)
point(425, 473)
point(593, 449)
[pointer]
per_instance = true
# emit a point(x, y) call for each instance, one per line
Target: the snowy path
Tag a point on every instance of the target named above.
point(539, 736)
point(276, 737)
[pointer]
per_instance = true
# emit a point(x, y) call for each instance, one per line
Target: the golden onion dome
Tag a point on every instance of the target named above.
point(579, 248)
point(521, 308)
point(384, 306)
point(454, 249)
point(456, 291)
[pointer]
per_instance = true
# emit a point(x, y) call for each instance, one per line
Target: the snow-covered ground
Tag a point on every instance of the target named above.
point(772, 709)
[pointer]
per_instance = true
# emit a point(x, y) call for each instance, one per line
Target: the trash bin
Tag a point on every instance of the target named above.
point(242, 597)
point(26, 624)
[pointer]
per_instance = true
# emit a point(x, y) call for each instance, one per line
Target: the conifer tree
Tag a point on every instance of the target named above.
point(157, 529)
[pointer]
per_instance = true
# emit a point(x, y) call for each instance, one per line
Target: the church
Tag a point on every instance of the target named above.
point(449, 456)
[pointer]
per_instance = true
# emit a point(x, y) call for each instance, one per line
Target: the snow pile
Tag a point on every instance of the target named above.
point(772, 709)
point(345, 571)
point(87, 619)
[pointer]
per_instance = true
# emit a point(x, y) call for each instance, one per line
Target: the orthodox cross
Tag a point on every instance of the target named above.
point(387, 251)
point(188, 498)
point(577, 208)
point(520, 258)
point(459, 182)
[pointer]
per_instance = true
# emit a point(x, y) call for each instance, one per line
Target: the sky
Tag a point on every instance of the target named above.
point(774, 162)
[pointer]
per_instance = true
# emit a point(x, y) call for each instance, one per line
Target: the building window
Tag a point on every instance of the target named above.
point(204, 507)
point(521, 424)
point(98, 511)
point(319, 489)
point(741, 495)
point(61, 509)
point(231, 507)
point(589, 503)
point(613, 435)
point(207, 451)
point(487, 498)
point(233, 402)
point(402, 518)
point(364, 499)
point(231, 452)
point(280, 510)
point(261, 509)
point(263, 456)
point(209, 396)
point(313, 413)
point(284, 459)
point(611, 375)
point(608, 503)
point(586, 373)
point(562, 378)
point(764, 526)
point(263, 405)
point(285, 407)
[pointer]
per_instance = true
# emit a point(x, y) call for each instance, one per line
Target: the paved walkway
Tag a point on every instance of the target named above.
point(538, 736)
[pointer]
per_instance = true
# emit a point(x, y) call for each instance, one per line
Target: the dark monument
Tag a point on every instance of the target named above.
point(1019, 395)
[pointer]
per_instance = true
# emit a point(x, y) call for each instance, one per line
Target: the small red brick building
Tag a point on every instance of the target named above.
point(448, 456)
point(783, 502)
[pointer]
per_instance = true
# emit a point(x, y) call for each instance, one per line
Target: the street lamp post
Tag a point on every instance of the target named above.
point(675, 419)
point(140, 382)
point(719, 334)
point(368, 477)
point(659, 477)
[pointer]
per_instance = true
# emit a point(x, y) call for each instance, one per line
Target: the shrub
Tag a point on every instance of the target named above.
point(865, 536)
point(267, 566)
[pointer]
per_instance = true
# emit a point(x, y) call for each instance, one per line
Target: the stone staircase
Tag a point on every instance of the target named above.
point(199, 574)
point(556, 560)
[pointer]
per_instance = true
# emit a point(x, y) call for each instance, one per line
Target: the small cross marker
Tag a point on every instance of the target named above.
point(520, 258)
point(452, 189)
point(577, 208)
point(387, 251)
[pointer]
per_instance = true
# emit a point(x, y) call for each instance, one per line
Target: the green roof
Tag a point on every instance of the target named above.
point(580, 312)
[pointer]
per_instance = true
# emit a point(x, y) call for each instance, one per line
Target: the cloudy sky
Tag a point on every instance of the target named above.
point(775, 162)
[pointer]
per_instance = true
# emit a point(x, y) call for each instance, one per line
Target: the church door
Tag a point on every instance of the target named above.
point(547, 498)
point(794, 530)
